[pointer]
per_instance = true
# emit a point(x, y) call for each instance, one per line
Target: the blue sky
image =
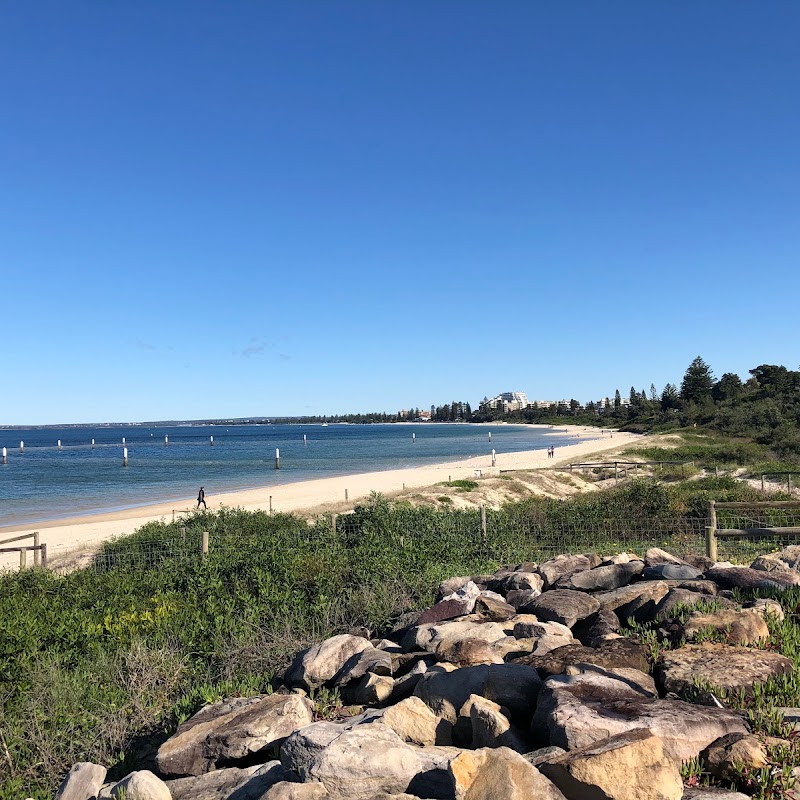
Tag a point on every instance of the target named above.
point(258, 208)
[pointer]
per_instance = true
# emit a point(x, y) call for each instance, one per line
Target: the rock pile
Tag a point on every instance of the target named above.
point(517, 685)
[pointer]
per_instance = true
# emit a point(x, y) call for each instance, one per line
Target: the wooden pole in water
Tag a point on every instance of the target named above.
point(37, 554)
point(5, 457)
point(277, 458)
point(166, 441)
point(124, 456)
point(212, 441)
point(305, 439)
point(414, 438)
point(490, 436)
point(22, 447)
point(123, 440)
point(59, 444)
point(92, 444)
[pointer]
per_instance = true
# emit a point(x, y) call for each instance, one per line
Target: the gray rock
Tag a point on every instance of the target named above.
point(469, 652)
point(582, 710)
point(789, 557)
point(430, 637)
point(655, 557)
point(451, 585)
point(537, 757)
point(317, 665)
point(719, 666)
point(614, 654)
point(728, 755)
point(141, 785)
point(414, 722)
point(293, 791)
point(370, 690)
point(703, 586)
point(83, 782)
point(765, 608)
point(524, 581)
point(232, 731)
point(370, 759)
point(565, 565)
point(514, 686)
point(667, 606)
point(712, 793)
point(490, 608)
point(371, 659)
point(637, 600)
point(303, 746)
point(565, 606)
point(604, 578)
point(248, 783)
point(672, 572)
point(599, 628)
point(746, 578)
point(521, 598)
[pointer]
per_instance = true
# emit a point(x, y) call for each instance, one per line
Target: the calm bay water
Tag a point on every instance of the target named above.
point(47, 483)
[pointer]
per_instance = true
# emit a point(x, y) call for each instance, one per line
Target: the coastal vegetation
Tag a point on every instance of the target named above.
point(104, 662)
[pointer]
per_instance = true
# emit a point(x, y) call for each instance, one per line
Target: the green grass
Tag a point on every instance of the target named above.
point(465, 485)
point(96, 664)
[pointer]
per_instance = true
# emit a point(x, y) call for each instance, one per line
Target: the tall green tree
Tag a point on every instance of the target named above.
point(698, 382)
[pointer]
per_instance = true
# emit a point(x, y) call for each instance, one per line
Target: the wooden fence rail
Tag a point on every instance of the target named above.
point(714, 533)
point(39, 550)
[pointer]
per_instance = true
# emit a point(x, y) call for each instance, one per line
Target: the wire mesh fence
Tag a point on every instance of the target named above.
point(493, 538)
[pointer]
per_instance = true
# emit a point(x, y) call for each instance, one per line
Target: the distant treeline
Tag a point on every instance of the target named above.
point(764, 408)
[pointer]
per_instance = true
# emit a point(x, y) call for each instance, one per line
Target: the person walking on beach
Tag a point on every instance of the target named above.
point(201, 498)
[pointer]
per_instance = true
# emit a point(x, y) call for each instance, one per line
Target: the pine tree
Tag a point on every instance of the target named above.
point(617, 399)
point(698, 382)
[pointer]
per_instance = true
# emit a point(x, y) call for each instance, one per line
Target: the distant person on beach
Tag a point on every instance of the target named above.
point(201, 498)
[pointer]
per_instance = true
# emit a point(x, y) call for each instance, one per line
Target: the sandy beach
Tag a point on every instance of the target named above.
point(327, 494)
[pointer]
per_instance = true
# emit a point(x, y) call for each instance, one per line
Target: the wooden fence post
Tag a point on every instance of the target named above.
point(44, 555)
point(23, 557)
point(711, 531)
point(334, 517)
point(37, 554)
point(483, 520)
point(182, 529)
point(204, 544)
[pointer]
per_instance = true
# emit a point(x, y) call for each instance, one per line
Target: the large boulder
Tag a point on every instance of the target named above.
point(603, 578)
point(286, 790)
point(82, 782)
point(637, 600)
point(231, 731)
point(655, 557)
point(565, 606)
point(609, 655)
point(414, 722)
point(369, 660)
point(430, 637)
point(247, 783)
point(493, 609)
point(303, 746)
point(788, 559)
point(468, 652)
point(565, 565)
point(498, 774)
point(490, 727)
point(718, 666)
point(581, 710)
point(514, 686)
point(630, 766)
point(319, 664)
point(369, 759)
point(601, 627)
point(140, 785)
point(672, 572)
point(682, 598)
point(446, 609)
point(738, 627)
point(727, 756)
point(746, 578)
